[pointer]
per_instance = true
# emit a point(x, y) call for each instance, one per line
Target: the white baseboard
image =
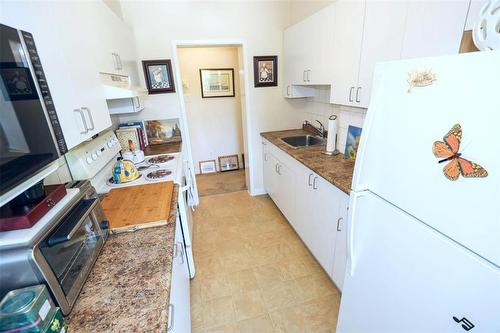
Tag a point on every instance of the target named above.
point(259, 191)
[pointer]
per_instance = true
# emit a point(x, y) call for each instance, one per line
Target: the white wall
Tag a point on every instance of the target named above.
point(214, 123)
point(259, 23)
point(300, 9)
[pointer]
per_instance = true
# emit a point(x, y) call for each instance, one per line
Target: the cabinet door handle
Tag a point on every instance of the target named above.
point(182, 252)
point(83, 121)
point(309, 181)
point(265, 157)
point(304, 75)
point(307, 75)
point(138, 102)
point(170, 324)
point(279, 168)
point(276, 168)
point(115, 66)
point(357, 94)
point(314, 183)
point(176, 249)
point(288, 90)
point(338, 223)
point(90, 117)
point(350, 94)
point(120, 66)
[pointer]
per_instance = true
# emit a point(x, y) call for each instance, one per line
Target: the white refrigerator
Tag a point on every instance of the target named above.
point(424, 250)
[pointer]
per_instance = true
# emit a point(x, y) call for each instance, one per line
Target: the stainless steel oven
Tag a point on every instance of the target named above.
point(62, 256)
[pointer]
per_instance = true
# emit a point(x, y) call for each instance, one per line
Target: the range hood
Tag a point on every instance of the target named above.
point(119, 87)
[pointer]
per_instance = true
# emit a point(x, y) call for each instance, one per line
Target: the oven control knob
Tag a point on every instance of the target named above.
point(110, 144)
point(94, 156)
point(99, 152)
point(89, 160)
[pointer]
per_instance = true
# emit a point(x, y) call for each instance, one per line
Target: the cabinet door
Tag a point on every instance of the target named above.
point(323, 223)
point(434, 28)
point(347, 38)
point(340, 262)
point(269, 171)
point(285, 190)
point(383, 35)
point(304, 207)
point(321, 47)
point(179, 317)
point(294, 53)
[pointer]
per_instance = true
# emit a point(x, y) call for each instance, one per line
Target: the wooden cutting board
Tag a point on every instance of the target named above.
point(139, 206)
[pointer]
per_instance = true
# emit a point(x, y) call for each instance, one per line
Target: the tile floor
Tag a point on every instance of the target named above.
point(254, 274)
point(221, 182)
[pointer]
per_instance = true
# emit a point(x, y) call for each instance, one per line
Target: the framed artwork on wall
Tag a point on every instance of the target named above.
point(265, 71)
point(207, 166)
point(217, 82)
point(228, 163)
point(158, 75)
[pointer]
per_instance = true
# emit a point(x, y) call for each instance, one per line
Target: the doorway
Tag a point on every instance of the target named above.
point(212, 80)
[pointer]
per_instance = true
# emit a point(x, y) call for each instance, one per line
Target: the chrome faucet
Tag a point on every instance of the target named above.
point(319, 130)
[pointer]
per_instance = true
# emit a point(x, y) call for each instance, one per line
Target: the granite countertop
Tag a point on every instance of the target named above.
point(336, 169)
point(128, 288)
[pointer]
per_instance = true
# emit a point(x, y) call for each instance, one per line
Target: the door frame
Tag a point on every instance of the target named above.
point(246, 119)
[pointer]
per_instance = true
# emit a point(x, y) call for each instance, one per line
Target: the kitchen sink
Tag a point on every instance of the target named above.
point(301, 141)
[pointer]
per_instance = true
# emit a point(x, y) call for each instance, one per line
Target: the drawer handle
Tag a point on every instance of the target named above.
point(309, 181)
point(338, 223)
point(170, 317)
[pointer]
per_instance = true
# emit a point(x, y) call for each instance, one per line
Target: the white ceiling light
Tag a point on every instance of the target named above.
point(486, 32)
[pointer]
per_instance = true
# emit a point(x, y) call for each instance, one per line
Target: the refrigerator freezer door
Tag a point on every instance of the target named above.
point(406, 277)
point(395, 158)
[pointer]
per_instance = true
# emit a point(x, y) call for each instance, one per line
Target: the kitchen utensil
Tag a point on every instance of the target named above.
point(133, 154)
point(124, 171)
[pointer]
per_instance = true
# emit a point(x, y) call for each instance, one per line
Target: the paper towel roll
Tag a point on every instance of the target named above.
point(332, 134)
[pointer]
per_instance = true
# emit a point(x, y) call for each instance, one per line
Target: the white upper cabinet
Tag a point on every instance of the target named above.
point(434, 28)
point(383, 33)
point(347, 40)
point(341, 44)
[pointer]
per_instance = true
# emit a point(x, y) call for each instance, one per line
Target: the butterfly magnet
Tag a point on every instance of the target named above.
point(448, 151)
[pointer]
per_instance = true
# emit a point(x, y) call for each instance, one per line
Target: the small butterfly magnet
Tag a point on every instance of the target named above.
point(448, 151)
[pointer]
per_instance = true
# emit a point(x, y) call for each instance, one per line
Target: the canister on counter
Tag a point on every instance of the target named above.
point(28, 309)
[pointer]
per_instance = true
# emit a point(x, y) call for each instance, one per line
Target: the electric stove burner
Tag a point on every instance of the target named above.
point(160, 159)
point(158, 174)
point(111, 181)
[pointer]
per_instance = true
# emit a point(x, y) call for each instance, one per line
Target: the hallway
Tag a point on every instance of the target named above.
point(254, 274)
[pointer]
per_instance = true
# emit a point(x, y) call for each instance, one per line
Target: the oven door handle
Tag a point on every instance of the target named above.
point(67, 228)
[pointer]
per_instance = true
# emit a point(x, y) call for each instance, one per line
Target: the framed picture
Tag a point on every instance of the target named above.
point(217, 82)
point(265, 71)
point(228, 163)
point(162, 131)
point(352, 142)
point(158, 75)
point(207, 166)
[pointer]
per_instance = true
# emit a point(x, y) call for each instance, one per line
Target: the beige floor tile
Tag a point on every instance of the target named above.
point(314, 286)
point(262, 324)
point(197, 315)
point(254, 274)
point(282, 294)
point(315, 316)
point(248, 304)
point(241, 282)
point(218, 312)
point(214, 287)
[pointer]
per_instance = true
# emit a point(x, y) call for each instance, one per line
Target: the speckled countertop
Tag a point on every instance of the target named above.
point(128, 289)
point(337, 169)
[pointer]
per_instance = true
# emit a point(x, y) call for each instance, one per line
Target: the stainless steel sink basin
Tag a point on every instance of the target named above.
point(301, 141)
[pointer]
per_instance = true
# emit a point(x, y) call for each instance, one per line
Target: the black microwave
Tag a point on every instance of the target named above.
point(30, 134)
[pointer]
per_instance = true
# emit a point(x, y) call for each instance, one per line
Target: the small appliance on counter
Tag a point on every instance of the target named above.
point(133, 154)
point(30, 206)
point(30, 309)
point(60, 250)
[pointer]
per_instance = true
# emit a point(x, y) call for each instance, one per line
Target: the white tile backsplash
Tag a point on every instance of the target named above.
point(319, 108)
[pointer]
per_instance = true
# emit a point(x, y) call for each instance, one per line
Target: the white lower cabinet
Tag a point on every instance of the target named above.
point(179, 313)
point(315, 208)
